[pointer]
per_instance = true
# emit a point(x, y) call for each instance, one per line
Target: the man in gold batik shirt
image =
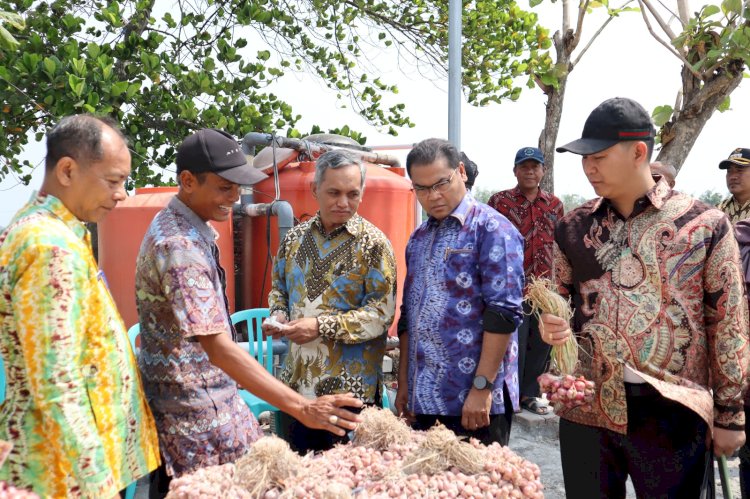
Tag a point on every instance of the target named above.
point(334, 280)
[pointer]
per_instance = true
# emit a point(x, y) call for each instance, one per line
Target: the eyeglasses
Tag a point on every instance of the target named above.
point(439, 187)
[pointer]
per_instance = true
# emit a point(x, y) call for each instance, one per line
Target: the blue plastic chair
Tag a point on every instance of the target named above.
point(386, 403)
point(261, 349)
point(133, 333)
point(2, 380)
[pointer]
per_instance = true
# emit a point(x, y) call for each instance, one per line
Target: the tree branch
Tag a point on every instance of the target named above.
point(566, 15)
point(668, 46)
point(667, 30)
point(598, 32)
point(136, 24)
point(684, 11)
point(579, 25)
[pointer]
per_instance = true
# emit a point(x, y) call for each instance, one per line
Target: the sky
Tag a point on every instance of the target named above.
point(625, 61)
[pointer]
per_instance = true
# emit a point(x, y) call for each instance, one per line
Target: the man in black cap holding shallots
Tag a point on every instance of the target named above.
point(660, 318)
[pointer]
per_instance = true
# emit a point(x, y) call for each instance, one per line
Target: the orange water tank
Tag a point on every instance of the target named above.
point(388, 203)
point(120, 236)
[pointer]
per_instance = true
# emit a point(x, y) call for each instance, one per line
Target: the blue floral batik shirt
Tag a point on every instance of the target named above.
point(462, 271)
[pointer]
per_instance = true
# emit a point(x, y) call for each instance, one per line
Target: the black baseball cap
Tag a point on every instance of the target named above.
point(615, 120)
point(739, 157)
point(215, 151)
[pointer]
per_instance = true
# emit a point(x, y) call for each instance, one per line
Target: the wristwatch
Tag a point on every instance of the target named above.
point(482, 383)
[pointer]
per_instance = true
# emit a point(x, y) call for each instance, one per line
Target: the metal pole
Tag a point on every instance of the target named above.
point(455, 9)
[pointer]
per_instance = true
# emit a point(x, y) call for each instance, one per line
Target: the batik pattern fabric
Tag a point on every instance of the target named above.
point(456, 269)
point(536, 221)
point(662, 293)
point(201, 419)
point(734, 210)
point(74, 407)
point(347, 279)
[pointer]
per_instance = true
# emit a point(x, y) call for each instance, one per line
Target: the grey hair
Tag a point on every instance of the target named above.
point(333, 160)
point(79, 137)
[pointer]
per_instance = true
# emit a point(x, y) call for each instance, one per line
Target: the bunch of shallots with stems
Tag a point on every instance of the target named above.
point(543, 299)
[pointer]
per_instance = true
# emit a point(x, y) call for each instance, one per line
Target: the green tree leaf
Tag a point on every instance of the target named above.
point(662, 114)
point(710, 10)
point(76, 84)
point(7, 41)
point(724, 106)
point(162, 75)
point(118, 88)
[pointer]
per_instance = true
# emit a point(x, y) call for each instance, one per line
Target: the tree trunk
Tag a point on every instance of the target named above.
point(699, 103)
point(548, 137)
point(564, 46)
point(136, 25)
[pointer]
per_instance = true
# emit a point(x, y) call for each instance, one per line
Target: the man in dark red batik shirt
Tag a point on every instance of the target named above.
point(535, 213)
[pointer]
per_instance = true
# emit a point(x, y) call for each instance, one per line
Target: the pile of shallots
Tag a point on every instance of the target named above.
point(385, 459)
point(8, 491)
point(567, 390)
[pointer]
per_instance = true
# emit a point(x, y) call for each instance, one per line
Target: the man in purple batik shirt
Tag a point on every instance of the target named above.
point(461, 305)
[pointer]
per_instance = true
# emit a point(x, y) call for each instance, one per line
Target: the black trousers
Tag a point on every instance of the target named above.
point(664, 451)
point(158, 482)
point(498, 430)
point(533, 354)
point(303, 439)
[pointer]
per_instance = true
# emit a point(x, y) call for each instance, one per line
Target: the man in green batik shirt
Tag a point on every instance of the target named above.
point(334, 291)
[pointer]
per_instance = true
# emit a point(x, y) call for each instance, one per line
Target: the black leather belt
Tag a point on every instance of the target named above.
point(640, 390)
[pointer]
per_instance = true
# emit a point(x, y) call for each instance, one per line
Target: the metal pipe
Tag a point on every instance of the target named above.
point(395, 147)
point(454, 72)
point(280, 209)
point(313, 149)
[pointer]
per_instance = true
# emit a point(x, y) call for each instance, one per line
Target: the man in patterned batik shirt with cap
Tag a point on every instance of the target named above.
point(191, 366)
point(660, 317)
point(737, 165)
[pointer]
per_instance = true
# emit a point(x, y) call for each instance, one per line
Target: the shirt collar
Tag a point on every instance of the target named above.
point(57, 208)
point(739, 206)
point(203, 227)
point(460, 212)
point(351, 226)
point(656, 196)
point(542, 194)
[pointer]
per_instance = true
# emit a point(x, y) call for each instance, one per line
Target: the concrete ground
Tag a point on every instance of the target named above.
point(535, 438)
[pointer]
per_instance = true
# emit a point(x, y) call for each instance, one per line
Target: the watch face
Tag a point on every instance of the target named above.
point(480, 382)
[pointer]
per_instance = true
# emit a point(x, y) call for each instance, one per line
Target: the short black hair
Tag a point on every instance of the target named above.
point(430, 150)
point(78, 137)
point(472, 170)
